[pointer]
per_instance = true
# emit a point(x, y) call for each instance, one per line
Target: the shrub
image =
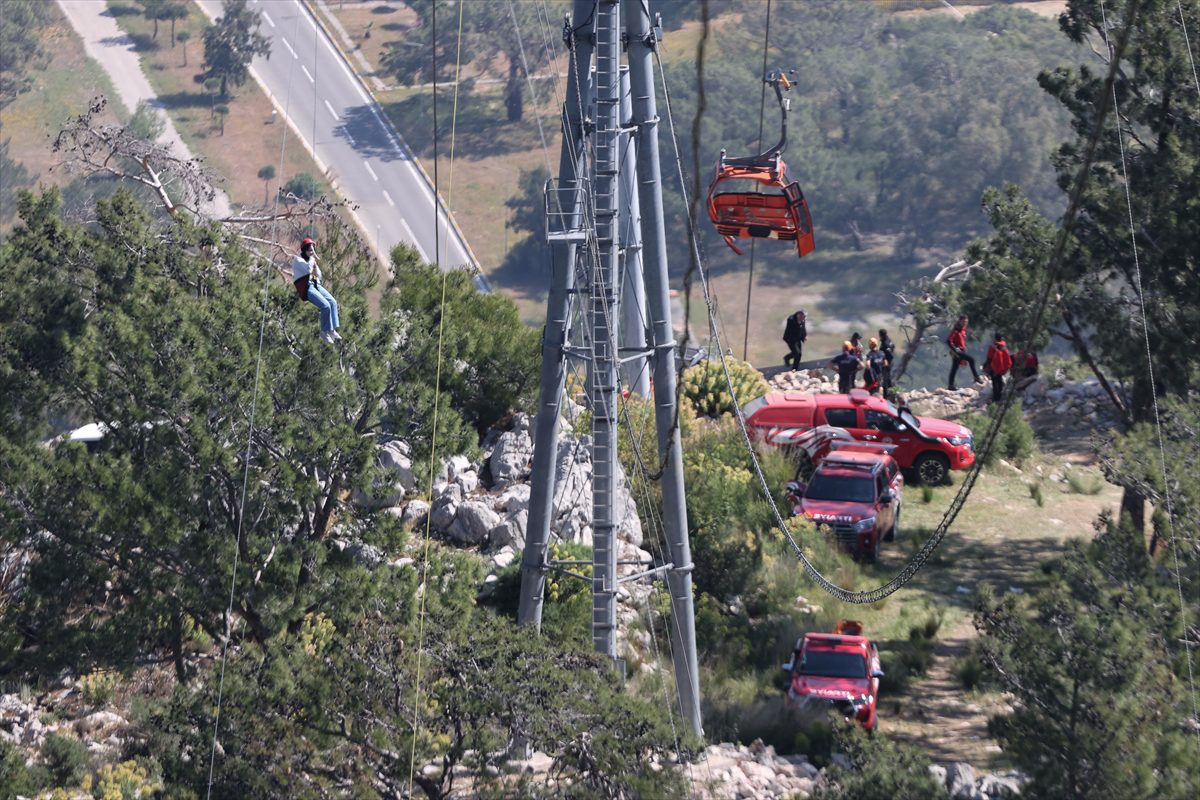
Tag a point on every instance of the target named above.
point(926, 493)
point(1079, 483)
point(705, 385)
point(1014, 440)
point(970, 671)
point(128, 780)
point(65, 759)
point(303, 186)
point(14, 778)
point(97, 688)
point(1035, 491)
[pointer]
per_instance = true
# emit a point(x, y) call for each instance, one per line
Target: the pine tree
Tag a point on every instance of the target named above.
point(232, 43)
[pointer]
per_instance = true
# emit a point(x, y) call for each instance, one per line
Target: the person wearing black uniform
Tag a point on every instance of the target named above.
point(846, 364)
point(795, 333)
point(888, 348)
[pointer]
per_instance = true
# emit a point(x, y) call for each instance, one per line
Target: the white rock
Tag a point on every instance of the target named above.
point(503, 559)
point(415, 512)
point(514, 498)
point(99, 722)
point(445, 509)
point(512, 457)
point(472, 522)
point(468, 481)
point(510, 532)
point(960, 780)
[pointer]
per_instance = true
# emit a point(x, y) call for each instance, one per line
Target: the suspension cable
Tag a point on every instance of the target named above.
point(1188, 42)
point(922, 556)
point(437, 385)
point(1158, 428)
point(762, 110)
point(262, 327)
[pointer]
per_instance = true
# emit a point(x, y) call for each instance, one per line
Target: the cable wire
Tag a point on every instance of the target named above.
point(262, 327)
point(1158, 428)
point(762, 111)
point(437, 385)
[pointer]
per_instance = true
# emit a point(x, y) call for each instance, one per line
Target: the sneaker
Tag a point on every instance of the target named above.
point(327, 337)
point(337, 337)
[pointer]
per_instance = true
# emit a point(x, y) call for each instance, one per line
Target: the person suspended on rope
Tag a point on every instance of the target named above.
point(795, 333)
point(306, 276)
point(846, 364)
point(957, 342)
point(873, 374)
point(997, 364)
point(888, 348)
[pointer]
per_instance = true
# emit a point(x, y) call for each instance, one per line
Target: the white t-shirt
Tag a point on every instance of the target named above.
point(301, 267)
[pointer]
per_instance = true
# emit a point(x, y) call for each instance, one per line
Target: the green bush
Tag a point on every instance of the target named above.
point(970, 671)
point(926, 493)
point(705, 385)
point(303, 186)
point(14, 778)
point(65, 759)
point(1014, 441)
point(1035, 491)
point(1079, 483)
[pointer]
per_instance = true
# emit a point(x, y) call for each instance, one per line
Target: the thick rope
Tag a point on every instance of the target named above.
point(262, 327)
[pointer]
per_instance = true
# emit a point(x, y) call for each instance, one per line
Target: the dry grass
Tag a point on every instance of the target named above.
point(250, 141)
point(371, 26)
point(62, 87)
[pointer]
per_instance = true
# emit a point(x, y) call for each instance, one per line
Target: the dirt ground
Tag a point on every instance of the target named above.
point(1000, 538)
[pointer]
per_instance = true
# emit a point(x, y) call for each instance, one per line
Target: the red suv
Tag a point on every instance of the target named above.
point(839, 670)
point(855, 491)
point(930, 447)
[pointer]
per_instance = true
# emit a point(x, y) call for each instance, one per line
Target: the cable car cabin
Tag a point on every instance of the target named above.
point(752, 198)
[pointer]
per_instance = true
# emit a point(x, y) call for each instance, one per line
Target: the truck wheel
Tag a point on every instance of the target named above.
point(895, 529)
point(933, 469)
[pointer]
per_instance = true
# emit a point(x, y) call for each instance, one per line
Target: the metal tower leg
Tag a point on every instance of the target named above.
point(635, 372)
point(679, 578)
point(602, 369)
point(563, 252)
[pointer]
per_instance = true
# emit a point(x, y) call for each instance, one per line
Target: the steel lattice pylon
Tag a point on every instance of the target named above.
point(618, 248)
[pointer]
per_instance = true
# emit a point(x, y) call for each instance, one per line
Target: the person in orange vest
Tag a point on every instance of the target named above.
point(957, 342)
point(997, 364)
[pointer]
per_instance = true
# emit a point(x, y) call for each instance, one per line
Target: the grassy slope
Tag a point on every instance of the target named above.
point(62, 87)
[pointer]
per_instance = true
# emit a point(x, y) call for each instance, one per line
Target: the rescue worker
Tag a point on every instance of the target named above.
point(957, 342)
point(846, 364)
point(306, 277)
point(1025, 368)
point(873, 374)
point(795, 333)
point(856, 345)
point(997, 363)
point(888, 348)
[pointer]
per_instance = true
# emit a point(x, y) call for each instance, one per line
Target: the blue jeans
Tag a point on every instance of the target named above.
point(319, 297)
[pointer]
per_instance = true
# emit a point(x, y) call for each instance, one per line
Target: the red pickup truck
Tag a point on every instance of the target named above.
point(856, 492)
point(930, 447)
point(835, 670)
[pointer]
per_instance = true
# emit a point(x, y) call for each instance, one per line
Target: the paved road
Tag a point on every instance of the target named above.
point(332, 111)
point(114, 51)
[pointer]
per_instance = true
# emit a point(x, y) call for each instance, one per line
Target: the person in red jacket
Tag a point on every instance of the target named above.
point(957, 342)
point(997, 364)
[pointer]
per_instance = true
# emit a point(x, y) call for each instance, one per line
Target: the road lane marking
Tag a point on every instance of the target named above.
point(412, 238)
point(388, 197)
point(267, 17)
point(331, 111)
point(368, 166)
point(288, 46)
point(307, 74)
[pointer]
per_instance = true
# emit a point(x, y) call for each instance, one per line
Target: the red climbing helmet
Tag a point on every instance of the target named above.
point(307, 240)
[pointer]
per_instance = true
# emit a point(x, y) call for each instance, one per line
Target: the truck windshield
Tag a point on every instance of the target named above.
point(753, 405)
point(846, 488)
point(832, 664)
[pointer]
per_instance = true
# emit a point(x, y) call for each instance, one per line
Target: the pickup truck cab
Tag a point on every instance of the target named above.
point(838, 670)
point(928, 446)
point(855, 491)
